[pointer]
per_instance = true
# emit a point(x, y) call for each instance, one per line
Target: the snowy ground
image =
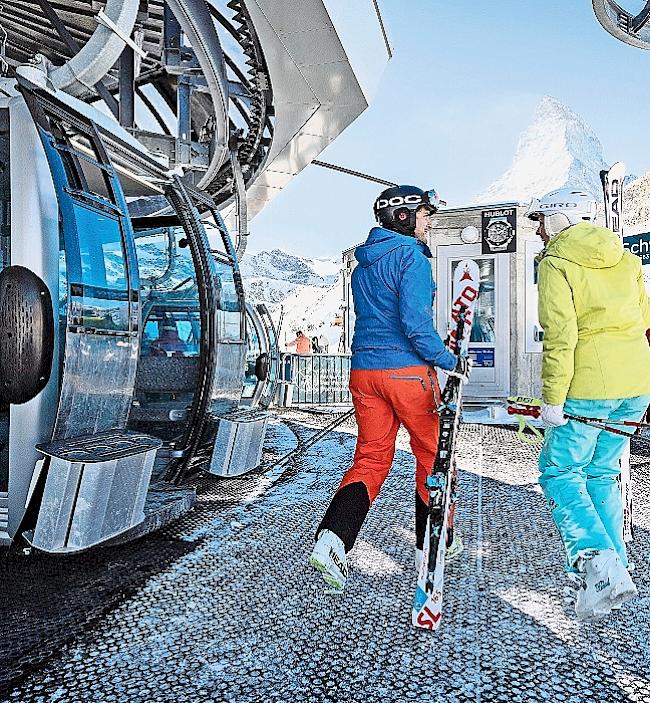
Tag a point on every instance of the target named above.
point(238, 617)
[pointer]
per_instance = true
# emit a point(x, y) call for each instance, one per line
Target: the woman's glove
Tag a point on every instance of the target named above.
point(462, 369)
point(553, 415)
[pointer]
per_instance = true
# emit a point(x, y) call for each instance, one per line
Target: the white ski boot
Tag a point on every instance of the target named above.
point(329, 558)
point(607, 585)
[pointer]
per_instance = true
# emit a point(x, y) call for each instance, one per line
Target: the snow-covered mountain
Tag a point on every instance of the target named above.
point(636, 203)
point(557, 149)
point(270, 276)
point(308, 290)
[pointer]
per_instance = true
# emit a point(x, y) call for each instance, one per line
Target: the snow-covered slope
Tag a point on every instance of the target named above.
point(314, 311)
point(557, 149)
point(309, 291)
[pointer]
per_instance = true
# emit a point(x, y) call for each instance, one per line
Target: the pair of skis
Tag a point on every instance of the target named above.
point(612, 182)
point(427, 604)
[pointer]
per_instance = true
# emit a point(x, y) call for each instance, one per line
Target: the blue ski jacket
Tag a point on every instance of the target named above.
point(393, 293)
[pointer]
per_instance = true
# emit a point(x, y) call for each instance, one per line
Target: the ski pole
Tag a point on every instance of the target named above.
point(303, 446)
point(531, 407)
point(627, 423)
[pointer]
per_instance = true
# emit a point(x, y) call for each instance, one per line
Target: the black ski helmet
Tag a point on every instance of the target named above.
point(396, 206)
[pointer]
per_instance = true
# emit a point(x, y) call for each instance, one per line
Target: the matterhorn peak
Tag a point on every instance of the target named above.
point(557, 149)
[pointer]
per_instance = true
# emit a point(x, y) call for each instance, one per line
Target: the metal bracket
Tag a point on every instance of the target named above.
point(240, 199)
point(104, 19)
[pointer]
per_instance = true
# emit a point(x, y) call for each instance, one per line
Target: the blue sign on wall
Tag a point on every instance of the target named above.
point(639, 245)
point(482, 356)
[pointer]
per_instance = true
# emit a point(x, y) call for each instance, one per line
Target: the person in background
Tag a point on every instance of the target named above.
point(323, 343)
point(594, 310)
point(301, 343)
point(315, 346)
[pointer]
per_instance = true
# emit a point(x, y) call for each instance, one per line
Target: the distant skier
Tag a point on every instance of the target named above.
point(594, 310)
point(301, 343)
point(392, 381)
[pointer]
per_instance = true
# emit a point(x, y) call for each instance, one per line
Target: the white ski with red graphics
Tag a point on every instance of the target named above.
point(612, 181)
point(427, 604)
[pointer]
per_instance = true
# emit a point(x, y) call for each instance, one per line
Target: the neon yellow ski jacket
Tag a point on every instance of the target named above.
point(594, 310)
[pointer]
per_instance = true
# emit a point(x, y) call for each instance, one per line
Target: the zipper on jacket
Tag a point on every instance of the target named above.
point(411, 378)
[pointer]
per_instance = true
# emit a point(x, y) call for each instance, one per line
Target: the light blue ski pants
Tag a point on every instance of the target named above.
point(579, 476)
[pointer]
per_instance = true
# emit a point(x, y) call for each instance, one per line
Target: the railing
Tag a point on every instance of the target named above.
point(315, 379)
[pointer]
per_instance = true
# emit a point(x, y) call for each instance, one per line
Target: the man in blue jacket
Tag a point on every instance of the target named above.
point(392, 381)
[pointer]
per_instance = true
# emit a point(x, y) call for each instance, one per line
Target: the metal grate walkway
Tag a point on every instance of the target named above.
point(236, 615)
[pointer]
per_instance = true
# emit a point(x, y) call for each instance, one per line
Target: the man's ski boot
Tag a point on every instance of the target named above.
point(607, 585)
point(329, 558)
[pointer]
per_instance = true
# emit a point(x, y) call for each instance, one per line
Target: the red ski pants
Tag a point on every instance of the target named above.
point(384, 399)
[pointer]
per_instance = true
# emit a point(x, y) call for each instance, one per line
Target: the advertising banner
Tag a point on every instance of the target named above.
point(639, 245)
point(499, 231)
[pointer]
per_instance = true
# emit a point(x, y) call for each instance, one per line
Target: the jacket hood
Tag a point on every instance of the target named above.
point(382, 241)
point(587, 245)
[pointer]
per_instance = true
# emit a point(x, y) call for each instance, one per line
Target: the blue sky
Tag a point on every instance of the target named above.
point(462, 85)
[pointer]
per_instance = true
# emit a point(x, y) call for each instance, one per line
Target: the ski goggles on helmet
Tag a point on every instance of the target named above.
point(533, 212)
point(431, 198)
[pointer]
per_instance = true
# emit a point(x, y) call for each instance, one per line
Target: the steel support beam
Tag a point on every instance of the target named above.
point(184, 117)
point(127, 88)
point(171, 38)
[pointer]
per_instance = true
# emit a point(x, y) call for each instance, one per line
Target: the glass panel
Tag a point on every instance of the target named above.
point(482, 339)
point(253, 350)
point(228, 304)
point(483, 327)
point(169, 363)
point(81, 160)
point(103, 270)
point(96, 181)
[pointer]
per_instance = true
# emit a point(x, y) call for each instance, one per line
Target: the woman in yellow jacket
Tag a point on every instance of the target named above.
point(594, 310)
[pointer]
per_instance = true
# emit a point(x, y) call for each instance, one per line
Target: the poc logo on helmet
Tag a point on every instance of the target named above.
point(398, 200)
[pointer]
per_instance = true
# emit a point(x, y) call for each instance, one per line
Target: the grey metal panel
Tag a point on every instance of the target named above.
point(34, 213)
point(4, 519)
point(89, 515)
point(229, 376)
point(366, 52)
point(239, 442)
point(58, 502)
point(97, 387)
point(87, 503)
point(315, 46)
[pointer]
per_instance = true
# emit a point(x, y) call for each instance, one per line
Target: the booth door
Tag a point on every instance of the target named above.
point(490, 339)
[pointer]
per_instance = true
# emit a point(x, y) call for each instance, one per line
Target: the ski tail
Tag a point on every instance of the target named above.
point(612, 181)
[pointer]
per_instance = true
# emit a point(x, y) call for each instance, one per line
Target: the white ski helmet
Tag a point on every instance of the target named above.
point(563, 208)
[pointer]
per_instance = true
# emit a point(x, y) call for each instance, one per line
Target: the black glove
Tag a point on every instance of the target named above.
point(462, 369)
